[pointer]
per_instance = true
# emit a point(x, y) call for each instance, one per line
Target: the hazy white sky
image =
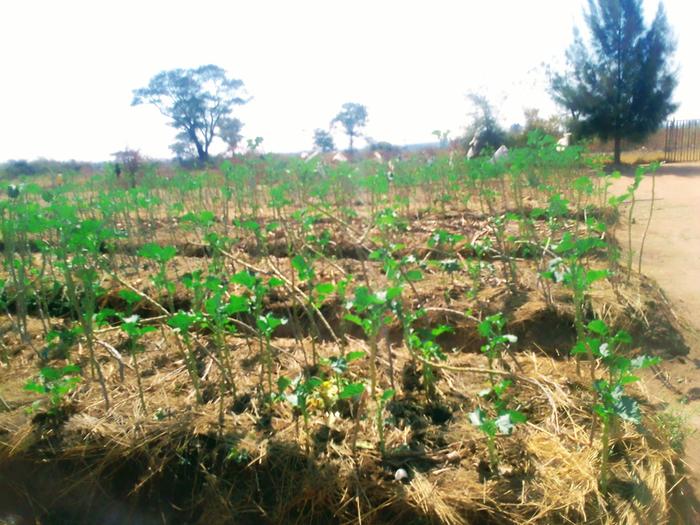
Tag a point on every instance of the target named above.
point(69, 67)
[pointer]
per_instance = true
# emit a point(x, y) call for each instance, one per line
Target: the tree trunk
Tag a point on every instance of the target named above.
point(618, 148)
point(351, 137)
point(202, 153)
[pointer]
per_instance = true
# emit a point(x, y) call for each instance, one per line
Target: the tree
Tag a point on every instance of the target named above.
point(352, 116)
point(443, 137)
point(484, 123)
point(230, 132)
point(621, 84)
point(130, 161)
point(17, 168)
point(323, 140)
point(533, 121)
point(195, 101)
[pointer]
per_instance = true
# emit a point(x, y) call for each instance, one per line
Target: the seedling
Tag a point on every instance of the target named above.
point(612, 403)
point(266, 323)
point(181, 323)
point(502, 421)
point(134, 331)
point(55, 384)
point(372, 313)
point(161, 255)
point(491, 328)
point(570, 269)
point(423, 340)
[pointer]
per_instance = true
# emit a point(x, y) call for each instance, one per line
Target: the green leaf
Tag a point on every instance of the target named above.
point(181, 321)
point(441, 329)
point(414, 275)
point(628, 409)
point(352, 390)
point(393, 292)
point(628, 379)
point(274, 282)
point(324, 289)
point(622, 337)
point(251, 225)
point(237, 304)
point(354, 356)
point(517, 417)
point(283, 383)
point(388, 394)
point(245, 278)
point(595, 275)
point(129, 296)
point(158, 253)
point(304, 270)
point(598, 327)
point(645, 361)
point(33, 386)
point(354, 319)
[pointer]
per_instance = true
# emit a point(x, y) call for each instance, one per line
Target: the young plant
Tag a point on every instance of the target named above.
point(266, 323)
point(612, 404)
point(499, 419)
point(423, 341)
point(55, 383)
point(181, 323)
point(302, 389)
point(491, 328)
point(372, 312)
point(317, 293)
point(134, 332)
point(339, 367)
point(570, 268)
point(379, 415)
point(161, 255)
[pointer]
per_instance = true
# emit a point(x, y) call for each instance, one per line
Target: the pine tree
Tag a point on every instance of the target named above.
point(619, 85)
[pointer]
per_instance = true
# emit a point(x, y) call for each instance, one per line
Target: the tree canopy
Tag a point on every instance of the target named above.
point(323, 140)
point(620, 84)
point(484, 123)
point(197, 101)
point(229, 130)
point(352, 117)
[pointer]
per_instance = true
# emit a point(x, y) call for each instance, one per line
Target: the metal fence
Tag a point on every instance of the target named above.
point(682, 140)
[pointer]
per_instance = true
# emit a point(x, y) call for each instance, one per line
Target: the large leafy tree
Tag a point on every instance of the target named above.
point(197, 101)
point(620, 84)
point(352, 117)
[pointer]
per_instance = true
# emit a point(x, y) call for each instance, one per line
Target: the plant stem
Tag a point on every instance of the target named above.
point(646, 229)
point(605, 456)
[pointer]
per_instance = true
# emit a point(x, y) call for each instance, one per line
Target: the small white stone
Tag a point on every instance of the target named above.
point(400, 474)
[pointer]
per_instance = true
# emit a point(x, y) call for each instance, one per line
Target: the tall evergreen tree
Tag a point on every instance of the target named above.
point(619, 85)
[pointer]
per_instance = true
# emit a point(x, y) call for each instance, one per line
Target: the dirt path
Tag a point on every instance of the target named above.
point(672, 258)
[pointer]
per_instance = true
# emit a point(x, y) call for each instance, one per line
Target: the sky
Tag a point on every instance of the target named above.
point(69, 67)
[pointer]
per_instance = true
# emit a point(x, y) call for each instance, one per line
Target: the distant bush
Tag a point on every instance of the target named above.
point(385, 147)
point(22, 168)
